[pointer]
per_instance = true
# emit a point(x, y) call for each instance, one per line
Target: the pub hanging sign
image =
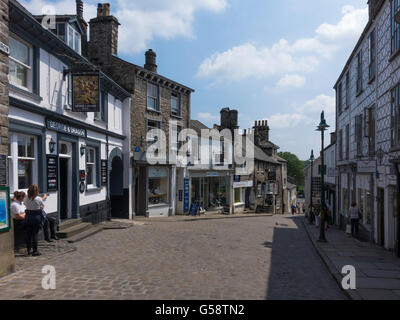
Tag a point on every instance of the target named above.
point(86, 92)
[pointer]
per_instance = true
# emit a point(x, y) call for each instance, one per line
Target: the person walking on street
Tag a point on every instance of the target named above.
point(34, 219)
point(354, 219)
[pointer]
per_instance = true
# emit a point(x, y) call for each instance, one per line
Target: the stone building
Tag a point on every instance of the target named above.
point(79, 158)
point(7, 264)
point(157, 103)
point(368, 92)
point(269, 179)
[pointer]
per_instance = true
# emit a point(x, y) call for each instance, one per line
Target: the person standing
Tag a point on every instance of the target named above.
point(354, 219)
point(18, 216)
point(34, 219)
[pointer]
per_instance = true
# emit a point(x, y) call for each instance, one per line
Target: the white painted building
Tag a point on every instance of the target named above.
point(367, 130)
point(81, 160)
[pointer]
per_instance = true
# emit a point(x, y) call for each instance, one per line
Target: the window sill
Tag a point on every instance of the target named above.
point(94, 189)
point(25, 92)
point(371, 80)
point(176, 116)
point(394, 55)
point(394, 149)
point(160, 205)
point(154, 111)
point(100, 121)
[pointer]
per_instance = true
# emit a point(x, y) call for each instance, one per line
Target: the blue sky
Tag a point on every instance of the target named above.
point(269, 59)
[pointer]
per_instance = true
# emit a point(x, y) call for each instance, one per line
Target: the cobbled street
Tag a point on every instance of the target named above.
point(233, 258)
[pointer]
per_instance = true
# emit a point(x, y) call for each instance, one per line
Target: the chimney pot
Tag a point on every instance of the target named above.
point(79, 9)
point(151, 64)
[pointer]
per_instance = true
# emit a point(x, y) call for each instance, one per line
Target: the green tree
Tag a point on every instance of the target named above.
point(295, 168)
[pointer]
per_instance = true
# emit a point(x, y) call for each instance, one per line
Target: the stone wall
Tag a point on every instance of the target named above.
point(7, 264)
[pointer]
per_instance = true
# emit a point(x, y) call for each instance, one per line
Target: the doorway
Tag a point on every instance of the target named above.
point(65, 191)
point(64, 188)
point(381, 217)
point(117, 189)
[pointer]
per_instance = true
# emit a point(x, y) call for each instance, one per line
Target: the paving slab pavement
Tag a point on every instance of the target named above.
point(378, 270)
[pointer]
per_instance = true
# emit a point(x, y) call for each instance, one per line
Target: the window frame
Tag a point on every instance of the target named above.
point(102, 115)
point(395, 116)
point(359, 83)
point(395, 27)
point(155, 98)
point(348, 93)
point(96, 146)
point(372, 55)
point(340, 98)
point(358, 126)
point(178, 98)
point(30, 68)
point(14, 159)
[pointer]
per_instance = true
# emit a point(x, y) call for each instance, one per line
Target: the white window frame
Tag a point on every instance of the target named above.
point(94, 167)
point(29, 80)
point(14, 159)
point(75, 36)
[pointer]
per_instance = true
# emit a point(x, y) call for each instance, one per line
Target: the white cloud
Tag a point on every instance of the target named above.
point(320, 103)
point(303, 55)
point(291, 81)
point(208, 117)
point(288, 120)
point(141, 21)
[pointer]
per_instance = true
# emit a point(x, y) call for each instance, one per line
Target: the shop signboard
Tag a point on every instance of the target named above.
point(65, 128)
point(243, 184)
point(52, 173)
point(86, 92)
point(5, 216)
point(186, 195)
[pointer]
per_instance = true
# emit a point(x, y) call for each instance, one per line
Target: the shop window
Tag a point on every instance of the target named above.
point(175, 104)
point(153, 97)
point(238, 195)
point(158, 186)
point(259, 190)
point(346, 204)
point(22, 161)
point(20, 64)
point(91, 166)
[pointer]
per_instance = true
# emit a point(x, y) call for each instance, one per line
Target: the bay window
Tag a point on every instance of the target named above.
point(20, 64)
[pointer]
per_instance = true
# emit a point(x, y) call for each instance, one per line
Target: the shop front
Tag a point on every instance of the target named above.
point(211, 191)
point(242, 191)
point(159, 191)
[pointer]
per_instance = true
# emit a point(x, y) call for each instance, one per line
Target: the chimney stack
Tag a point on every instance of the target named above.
point(103, 35)
point(79, 9)
point(151, 61)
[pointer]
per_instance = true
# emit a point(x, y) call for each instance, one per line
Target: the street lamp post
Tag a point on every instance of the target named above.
point(312, 158)
point(323, 126)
